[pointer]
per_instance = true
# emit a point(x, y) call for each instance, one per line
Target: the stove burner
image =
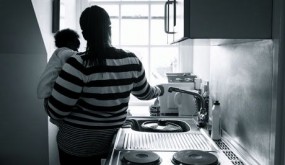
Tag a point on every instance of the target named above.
point(194, 157)
point(140, 158)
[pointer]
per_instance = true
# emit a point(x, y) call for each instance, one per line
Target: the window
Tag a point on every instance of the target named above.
point(138, 26)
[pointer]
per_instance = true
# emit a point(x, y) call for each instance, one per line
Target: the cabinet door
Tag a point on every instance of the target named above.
point(236, 19)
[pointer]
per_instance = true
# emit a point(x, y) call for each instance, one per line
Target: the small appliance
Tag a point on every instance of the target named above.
point(166, 101)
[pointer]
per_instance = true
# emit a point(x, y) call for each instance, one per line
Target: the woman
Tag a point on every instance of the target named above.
point(90, 98)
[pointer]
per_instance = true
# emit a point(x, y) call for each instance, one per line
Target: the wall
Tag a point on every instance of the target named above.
point(23, 124)
point(240, 74)
point(201, 56)
point(186, 56)
point(43, 10)
point(241, 79)
point(68, 14)
point(248, 78)
point(195, 58)
point(278, 128)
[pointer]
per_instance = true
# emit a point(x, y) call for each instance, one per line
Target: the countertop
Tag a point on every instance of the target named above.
point(144, 111)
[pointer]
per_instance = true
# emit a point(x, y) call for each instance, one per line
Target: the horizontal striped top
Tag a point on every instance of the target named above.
point(96, 98)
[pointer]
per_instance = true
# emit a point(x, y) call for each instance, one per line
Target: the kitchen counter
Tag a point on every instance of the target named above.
point(129, 140)
point(223, 149)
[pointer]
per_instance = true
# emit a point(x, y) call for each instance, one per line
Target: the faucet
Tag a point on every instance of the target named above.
point(203, 112)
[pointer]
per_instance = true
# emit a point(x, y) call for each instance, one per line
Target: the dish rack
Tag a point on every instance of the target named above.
point(180, 77)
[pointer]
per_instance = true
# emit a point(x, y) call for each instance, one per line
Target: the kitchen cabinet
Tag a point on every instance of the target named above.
point(218, 19)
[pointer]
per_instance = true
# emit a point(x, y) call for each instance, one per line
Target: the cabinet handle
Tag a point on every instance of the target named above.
point(166, 16)
point(174, 13)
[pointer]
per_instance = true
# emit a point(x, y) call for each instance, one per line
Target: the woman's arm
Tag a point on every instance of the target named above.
point(142, 89)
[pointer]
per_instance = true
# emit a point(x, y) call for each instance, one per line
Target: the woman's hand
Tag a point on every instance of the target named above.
point(161, 89)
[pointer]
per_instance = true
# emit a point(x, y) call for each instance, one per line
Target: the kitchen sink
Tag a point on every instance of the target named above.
point(157, 125)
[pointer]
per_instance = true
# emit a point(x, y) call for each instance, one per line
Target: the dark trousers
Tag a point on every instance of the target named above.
point(67, 159)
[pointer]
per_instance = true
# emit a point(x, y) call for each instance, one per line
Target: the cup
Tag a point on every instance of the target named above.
point(185, 103)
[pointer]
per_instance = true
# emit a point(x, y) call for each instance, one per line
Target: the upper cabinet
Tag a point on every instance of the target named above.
point(218, 19)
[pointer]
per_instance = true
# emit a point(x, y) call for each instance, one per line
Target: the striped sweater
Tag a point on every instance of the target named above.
point(90, 99)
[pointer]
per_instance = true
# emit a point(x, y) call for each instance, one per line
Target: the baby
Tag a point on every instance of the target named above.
point(67, 43)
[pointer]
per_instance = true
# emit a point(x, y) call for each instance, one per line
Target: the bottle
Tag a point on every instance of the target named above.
point(206, 97)
point(216, 125)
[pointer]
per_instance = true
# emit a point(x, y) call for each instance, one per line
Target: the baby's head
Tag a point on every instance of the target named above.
point(67, 38)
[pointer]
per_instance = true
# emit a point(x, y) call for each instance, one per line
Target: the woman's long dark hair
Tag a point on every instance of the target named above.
point(96, 29)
